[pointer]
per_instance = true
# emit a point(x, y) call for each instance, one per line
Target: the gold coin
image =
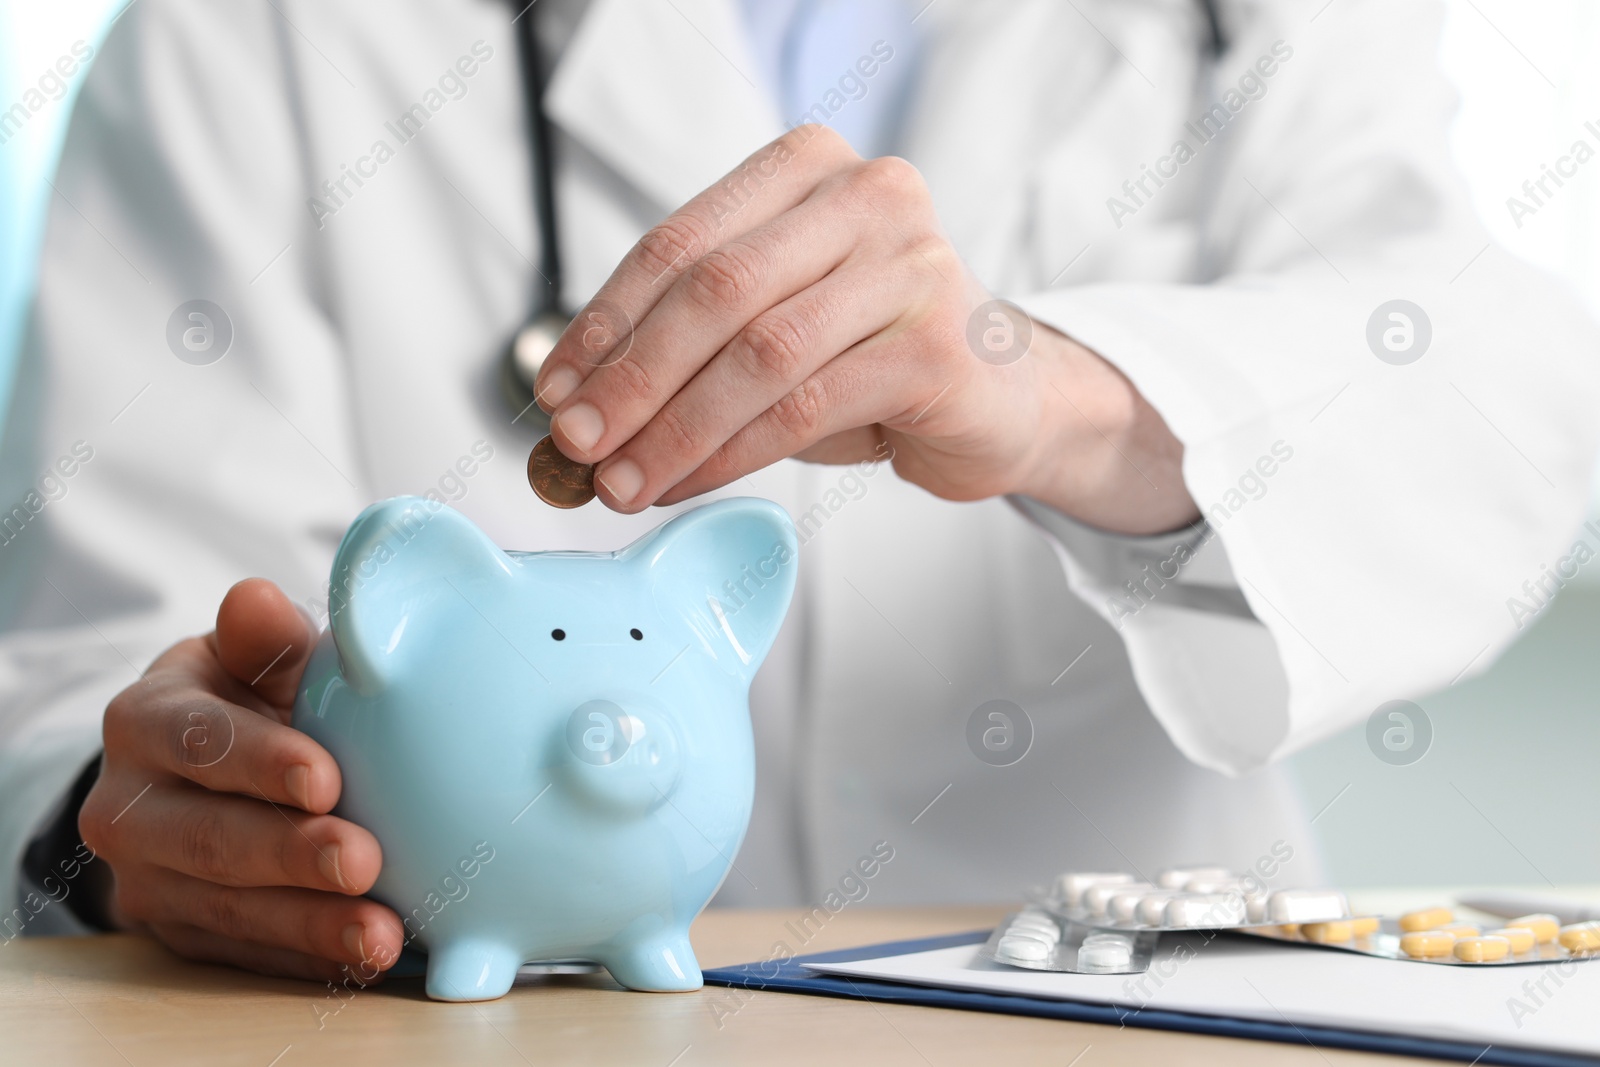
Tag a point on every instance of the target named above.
point(557, 480)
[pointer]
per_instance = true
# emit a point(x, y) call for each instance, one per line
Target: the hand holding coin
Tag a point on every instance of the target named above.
point(557, 480)
point(825, 316)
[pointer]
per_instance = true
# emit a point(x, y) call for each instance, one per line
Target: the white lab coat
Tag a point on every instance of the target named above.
point(1373, 564)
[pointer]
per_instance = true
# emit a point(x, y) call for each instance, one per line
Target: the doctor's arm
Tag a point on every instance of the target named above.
point(810, 305)
point(1387, 420)
point(826, 317)
point(180, 177)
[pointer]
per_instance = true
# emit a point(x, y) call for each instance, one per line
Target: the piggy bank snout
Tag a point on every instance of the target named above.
point(622, 758)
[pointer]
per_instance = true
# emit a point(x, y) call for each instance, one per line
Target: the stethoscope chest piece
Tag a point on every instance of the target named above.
point(520, 368)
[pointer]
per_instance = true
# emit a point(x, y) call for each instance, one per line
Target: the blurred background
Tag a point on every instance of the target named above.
point(1509, 757)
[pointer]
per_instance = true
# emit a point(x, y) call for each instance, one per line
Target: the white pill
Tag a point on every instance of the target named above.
point(1179, 877)
point(1251, 891)
point(1049, 934)
point(1306, 906)
point(1105, 937)
point(1096, 897)
point(1152, 908)
point(1104, 956)
point(1120, 908)
point(1205, 910)
point(1123, 907)
point(1023, 948)
point(1071, 886)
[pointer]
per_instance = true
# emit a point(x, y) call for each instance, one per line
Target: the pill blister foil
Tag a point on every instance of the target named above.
point(1081, 917)
point(1064, 958)
point(1386, 943)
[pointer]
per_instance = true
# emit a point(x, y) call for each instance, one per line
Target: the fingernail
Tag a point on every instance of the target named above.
point(623, 480)
point(582, 425)
point(352, 940)
point(297, 783)
point(558, 385)
point(328, 861)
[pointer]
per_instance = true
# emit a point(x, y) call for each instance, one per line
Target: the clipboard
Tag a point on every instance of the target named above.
point(790, 976)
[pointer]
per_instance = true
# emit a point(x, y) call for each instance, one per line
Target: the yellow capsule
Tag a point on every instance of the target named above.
point(1425, 943)
point(1520, 938)
point(1580, 937)
point(1426, 919)
point(1544, 927)
point(1481, 949)
point(1289, 929)
point(1365, 926)
point(1460, 930)
point(1328, 932)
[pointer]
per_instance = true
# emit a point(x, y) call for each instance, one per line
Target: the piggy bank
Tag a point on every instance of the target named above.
point(553, 748)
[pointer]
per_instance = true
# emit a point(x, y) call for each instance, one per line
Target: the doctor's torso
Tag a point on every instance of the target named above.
point(367, 359)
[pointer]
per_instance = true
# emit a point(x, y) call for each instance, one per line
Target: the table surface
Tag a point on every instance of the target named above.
point(120, 999)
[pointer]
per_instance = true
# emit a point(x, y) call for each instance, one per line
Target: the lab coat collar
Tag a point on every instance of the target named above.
point(669, 95)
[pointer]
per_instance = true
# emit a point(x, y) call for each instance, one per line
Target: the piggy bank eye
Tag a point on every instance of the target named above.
point(635, 634)
point(559, 635)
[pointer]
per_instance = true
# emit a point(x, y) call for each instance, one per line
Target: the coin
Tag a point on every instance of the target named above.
point(557, 480)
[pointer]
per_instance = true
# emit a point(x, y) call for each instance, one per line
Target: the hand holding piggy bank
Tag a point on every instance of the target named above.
point(553, 748)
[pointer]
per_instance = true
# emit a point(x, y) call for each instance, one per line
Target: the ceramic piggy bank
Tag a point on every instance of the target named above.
point(553, 748)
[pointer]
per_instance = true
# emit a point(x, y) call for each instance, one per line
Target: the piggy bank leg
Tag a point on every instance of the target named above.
point(471, 970)
point(663, 963)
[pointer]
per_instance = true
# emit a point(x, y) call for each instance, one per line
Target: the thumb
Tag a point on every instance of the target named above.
point(263, 640)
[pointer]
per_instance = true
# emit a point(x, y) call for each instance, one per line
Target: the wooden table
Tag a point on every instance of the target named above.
point(124, 1000)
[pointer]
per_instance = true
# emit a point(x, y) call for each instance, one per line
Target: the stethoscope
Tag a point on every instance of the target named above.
point(526, 352)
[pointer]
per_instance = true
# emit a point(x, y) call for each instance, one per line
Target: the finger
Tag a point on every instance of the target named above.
point(193, 943)
point(326, 925)
point(185, 731)
point(239, 842)
point(865, 386)
point(771, 181)
point(262, 640)
point(760, 366)
point(703, 310)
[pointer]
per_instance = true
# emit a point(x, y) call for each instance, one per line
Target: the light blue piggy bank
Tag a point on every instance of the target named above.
point(553, 748)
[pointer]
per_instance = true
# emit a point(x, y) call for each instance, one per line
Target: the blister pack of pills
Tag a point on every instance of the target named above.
point(1432, 935)
point(1186, 898)
point(1110, 922)
point(1035, 940)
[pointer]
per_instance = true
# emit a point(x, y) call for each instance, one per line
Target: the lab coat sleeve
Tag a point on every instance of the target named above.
point(1391, 526)
point(180, 180)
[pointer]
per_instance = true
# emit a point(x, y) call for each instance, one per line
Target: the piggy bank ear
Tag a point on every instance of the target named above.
point(400, 558)
point(728, 569)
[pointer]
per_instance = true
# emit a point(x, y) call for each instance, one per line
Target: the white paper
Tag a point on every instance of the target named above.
point(1550, 1007)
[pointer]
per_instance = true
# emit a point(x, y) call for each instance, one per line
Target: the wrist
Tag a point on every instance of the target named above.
point(1102, 454)
point(64, 868)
